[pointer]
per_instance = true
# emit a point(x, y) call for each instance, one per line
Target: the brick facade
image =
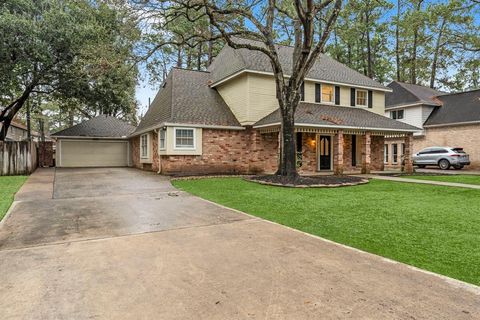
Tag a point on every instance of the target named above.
point(465, 136)
point(249, 152)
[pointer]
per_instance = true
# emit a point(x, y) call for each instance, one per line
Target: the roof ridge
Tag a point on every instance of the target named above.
point(191, 70)
point(460, 92)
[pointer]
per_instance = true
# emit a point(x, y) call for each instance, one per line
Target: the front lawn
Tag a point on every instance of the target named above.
point(8, 187)
point(432, 227)
point(462, 178)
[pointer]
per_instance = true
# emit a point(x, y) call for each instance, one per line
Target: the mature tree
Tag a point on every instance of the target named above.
point(66, 49)
point(312, 22)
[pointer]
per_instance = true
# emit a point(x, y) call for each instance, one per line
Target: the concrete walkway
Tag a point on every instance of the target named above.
point(410, 180)
point(124, 244)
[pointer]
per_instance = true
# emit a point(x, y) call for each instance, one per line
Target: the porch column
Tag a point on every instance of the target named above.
point(338, 153)
point(366, 153)
point(407, 166)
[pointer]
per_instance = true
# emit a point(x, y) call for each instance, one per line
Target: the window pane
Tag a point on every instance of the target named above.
point(395, 152)
point(361, 97)
point(327, 93)
point(400, 114)
point(162, 139)
point(184, 138)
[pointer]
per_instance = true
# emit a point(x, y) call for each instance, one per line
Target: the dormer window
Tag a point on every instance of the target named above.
point(327, 93)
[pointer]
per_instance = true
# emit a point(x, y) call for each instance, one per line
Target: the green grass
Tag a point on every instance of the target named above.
point(432, 227)
point(9, 185)
point(463, 178)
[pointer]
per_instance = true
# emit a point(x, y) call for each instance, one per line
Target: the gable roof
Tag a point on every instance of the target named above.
point(406, 93)
point(186, 98)
point(456, 108)
point(103, 126)
point(339, 117)
point(230, 61)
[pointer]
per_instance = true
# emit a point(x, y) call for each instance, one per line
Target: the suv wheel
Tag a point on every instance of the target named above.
point(444, 164)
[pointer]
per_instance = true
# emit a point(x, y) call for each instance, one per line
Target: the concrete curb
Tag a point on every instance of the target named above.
point(9, 211)
point(451, 281)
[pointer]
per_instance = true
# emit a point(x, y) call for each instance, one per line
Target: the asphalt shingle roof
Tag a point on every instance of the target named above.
point(405, 93)
point(456, 107)
point(101, 126)
point(185, 97)
point(341, 117)
point(229, 61)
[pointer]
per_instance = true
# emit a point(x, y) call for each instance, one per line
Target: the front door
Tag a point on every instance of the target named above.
point(325, 152)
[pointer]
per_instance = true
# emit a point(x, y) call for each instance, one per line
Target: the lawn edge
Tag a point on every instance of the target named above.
point(9, 211)
point(451, 281)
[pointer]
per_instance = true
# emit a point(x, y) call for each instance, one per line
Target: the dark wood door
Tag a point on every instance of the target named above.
point(325, 152)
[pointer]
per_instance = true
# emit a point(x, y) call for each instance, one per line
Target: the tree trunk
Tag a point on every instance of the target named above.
point(8, 115)
point(179, 57)
point(288, 162)
point(433, 74)
point(199, 56)
point(210, 48)
point(369, 46)
point(397, 41)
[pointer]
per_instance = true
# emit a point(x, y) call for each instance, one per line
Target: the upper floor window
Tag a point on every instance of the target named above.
point(144, 146)
point(184, 138)
point(328, 93)
point(362, 98)
point(397, 114)
point(163, 134)
point(302, 92)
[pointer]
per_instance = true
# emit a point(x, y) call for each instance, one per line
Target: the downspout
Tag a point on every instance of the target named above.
point(157, 131)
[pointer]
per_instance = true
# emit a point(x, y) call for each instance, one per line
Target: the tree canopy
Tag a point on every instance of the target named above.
point(76, 54)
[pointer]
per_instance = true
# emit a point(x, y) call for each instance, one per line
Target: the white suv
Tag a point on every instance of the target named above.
point(444, 157)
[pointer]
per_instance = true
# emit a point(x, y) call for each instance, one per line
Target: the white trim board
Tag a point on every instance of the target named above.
point(385, 89)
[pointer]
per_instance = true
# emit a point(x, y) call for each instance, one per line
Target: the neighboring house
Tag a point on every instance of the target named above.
point(226, 120)
point(99, 142)
point(446, 119)
point(18, 132)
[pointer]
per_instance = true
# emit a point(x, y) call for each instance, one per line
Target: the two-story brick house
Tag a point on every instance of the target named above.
point(446, 119)
point(226, 119)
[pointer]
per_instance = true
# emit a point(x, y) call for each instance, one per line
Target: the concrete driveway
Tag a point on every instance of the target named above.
point(124, 244)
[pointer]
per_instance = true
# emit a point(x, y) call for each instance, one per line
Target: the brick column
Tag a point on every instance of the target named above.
point(338, 153)
point(366, 153)
point(407, 166)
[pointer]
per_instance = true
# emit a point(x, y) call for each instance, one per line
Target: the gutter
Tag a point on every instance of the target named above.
point(90, 138)
point(172, 124)
point(385, 89)
point(338, 127)
point(451, 124)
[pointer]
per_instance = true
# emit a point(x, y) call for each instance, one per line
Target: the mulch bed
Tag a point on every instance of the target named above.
point(308, 181)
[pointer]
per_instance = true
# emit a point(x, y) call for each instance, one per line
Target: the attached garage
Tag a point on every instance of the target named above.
point(98, 142)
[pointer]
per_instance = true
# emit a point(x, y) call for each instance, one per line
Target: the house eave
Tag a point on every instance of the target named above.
point(451, 124)
point(339, 127)
point(407, 105)
point(240, 72)
point(89, 137)
point(189, 125)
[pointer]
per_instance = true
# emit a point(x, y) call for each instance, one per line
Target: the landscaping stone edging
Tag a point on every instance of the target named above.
point(337, 185)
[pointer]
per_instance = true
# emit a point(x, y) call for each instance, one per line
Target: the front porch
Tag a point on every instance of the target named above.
point(339, 151)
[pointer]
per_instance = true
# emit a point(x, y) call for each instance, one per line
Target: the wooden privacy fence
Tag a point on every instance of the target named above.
point(17, 157)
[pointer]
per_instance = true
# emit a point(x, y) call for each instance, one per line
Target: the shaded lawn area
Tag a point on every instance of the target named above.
point(463, 178)
point(431, 227)
point(9, 185)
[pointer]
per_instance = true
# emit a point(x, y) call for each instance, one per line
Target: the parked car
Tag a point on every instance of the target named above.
point(444, 157)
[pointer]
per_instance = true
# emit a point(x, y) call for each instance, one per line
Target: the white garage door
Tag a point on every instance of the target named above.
point(92, 153)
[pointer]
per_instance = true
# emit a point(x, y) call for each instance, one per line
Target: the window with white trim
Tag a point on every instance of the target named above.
point(362, 98)
point(184, 138)
point(162, 137)
point(397, 114)
point(328, 93)
point(144, 146)
point(385, 154)
point(395, 153)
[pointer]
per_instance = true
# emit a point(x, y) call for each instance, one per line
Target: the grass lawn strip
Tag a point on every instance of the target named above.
point(466, 179)
point(431, 227)
point(9, 185)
